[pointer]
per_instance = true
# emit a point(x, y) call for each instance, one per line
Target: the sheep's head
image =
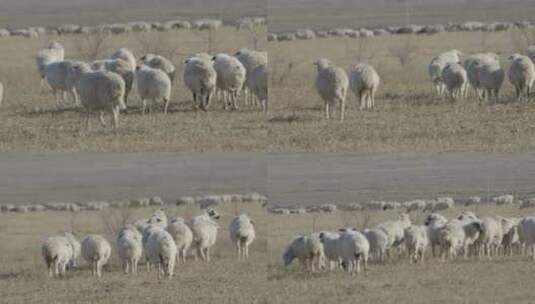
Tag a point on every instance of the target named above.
point(435, 218)
point(322, 63)
point(212, 213)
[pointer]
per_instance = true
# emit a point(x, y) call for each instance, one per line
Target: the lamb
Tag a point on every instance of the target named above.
point(331, 84)
point(160, 63)
point(526, 231)
point(353, 248)
point(364, 82)
point(76, 250)
point(96, 250)
point(53, 53)
point(182, 236)
point(259, 85)
point(379, 243)
point(129, 248)
point(57, 251)
point(122, 68)
point(491, 76)
point(161, 251)
point(455, 79)
point(153, 84)
point(58, 77)
point(251, 60)
point(99, 91)
point(416, 240)
point(204, 230)
point(521, 75)
point(231, 76)
point(242, 233)
point(201, 78)
point(308, 249)
point(395, 230)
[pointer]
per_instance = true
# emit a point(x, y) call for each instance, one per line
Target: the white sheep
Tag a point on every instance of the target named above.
point(96, 250)
point(416, 239)
point(332, 85)
point(126, 55)
point(455, 79)
point(521, 75)
point(57, 252)
point(251, 59)
point(160, 63)
point(526, 231)
point(242, 233)
point(437, 65)
point(510, 234)
point(395, 230)
point(153, 84)
point(364, 82)
point(161, 250)
point(490, 238)
point(259, 85)
point(57, 74)
point(53, 53)
point(129, 248)
point(435, 222)
point(118, 66)
point(231, 76)
point(472, 70)
point(201, 78)
point(308, 249)
point(354, 248)
point(379, 244)
point(204, 230)
point(330, 248)
point(491, 77)
point(99, 91)
point(76, 249)
point(182, 235)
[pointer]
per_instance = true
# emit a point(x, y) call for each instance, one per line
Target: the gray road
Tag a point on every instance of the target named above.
point(286, 178)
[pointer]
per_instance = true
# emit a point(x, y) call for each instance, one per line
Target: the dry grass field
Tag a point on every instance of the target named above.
point(409, 117)
point(23, 276)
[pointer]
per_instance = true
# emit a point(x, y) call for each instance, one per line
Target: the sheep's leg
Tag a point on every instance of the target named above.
point(166, 105)
point(56, 268)
point(144, 106)
point(327, 111)
point(342, 109)
point(207, 254)
point(201, 254)
point(99, 268)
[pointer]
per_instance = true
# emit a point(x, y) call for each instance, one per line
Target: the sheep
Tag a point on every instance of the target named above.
point(96, 250)
point(76, 249)
point(161, 251)
point(158, 218)
point(379, 243)
point(58, 78)
point(129, 248)
point(491, 77)
point(231, 76)
point(1, 93)
point(526, 231)
point(242, 233)
point(57, 251)
point(472, 70)
point(521, 75)
point(53, 53)
point(490, 238)
point(126, 55)
point(160, 63)
point(99, 91)
point(510, 235)
point(122, 68)
point(153, 84)
point(416, 240)
point(450, 238)
point(364, 82)
point(353, 248)
point(308, 249)
point(434, 222)
point(204, 230)
point(437, 65)
point(395, 230)
point(146, 231)
point(506, 199)
point(455, 79)
point(182, 235)
point(259, 85)
point(332, 84)
point(330, 248)
point(201, 78)
point(251, 60)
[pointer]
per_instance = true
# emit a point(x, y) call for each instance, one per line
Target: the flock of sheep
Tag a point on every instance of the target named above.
point(163, 243)
point(104, 85)
point(450, 72)
point(466, 236)
point(470, 26)
point(245, 23)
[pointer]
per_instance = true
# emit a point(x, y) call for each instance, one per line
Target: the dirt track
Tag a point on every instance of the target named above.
point(286, 178)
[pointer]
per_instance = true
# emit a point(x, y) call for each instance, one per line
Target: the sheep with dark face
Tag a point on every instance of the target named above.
point(308, 249)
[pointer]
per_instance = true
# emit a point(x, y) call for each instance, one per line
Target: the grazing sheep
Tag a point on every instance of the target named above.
point(395, 230)
point(330, 248)
point(99, 91)
point(161, 251)
point(379, 244)
point(364, 82)
point(521, 75)
point(259, 85)
point(60, 81)
point(353, 248)
point(526, 231)
point(96, 250)
point(308, 249)
point(454, 78)
point(201, 78)
point(57, 251)
point(122, 68)
point(76, 249)
point(153, 84)
point(204, 230)
point(231, 76)
point(53, 53)
point(491, 77)
point(182, 236)
point(242, 233)
point(332, 84)
point(129, 248)
point(416, 240)
point(161, 63)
